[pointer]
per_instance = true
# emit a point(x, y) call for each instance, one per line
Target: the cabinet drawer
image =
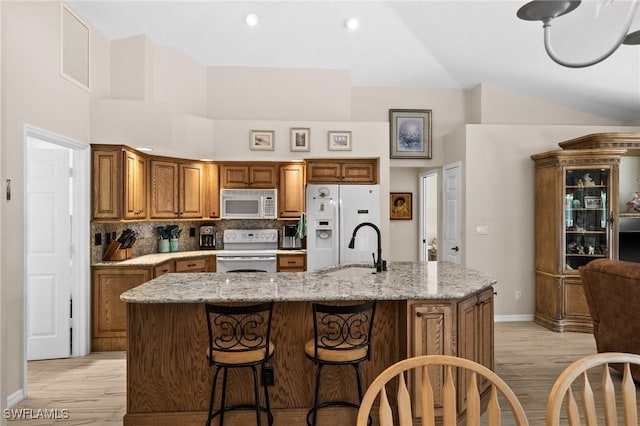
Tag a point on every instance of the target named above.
point(163, 268)
point(291, 263)
point(191, 265)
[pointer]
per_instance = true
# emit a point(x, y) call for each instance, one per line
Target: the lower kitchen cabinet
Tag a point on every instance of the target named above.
point(109, 313)
point(292, 262)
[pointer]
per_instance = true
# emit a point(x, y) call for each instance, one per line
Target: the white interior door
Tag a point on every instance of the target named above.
point(428, 213)
point(48, 219)
point(451, 211)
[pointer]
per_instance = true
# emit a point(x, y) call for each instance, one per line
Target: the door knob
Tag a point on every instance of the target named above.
point(456, 248)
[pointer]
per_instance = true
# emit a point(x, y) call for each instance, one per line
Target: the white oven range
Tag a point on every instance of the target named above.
point(248, 250)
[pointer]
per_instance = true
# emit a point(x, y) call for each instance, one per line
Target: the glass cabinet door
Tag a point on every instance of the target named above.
point(586, 216)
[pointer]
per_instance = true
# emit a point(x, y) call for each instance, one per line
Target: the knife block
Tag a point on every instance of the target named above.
point(114, 252)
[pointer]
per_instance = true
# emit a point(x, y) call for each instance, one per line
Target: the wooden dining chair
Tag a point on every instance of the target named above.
point(575, 379)
point(449, 408)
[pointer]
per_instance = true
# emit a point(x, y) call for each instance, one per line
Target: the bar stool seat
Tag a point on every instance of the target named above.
point(341, 336)
point(239, 337)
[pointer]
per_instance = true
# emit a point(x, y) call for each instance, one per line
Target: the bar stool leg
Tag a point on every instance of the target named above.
point(267, 402)
point(359, 381)
point(224, 395)
point(256, 394)
point(213, 394)
point(316, 397)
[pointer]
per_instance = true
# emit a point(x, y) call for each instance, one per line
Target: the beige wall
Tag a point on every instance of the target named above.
point(404, 179)
point(3, 322)
point(33, 93)
point(499, 187)
point(132, 68)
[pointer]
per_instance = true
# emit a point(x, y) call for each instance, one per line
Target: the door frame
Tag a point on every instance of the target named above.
point(422, 211)
point(80, 285)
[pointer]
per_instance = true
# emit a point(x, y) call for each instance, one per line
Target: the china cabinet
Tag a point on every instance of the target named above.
point(576, 211)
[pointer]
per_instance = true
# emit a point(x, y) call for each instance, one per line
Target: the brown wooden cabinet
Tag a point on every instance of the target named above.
point(212, 199)
point(248, 175)
point(108, 312)
point(292, 262)
point(119, 185)
point(576, 211)
point(364, 171)
point(177, 189)
point(164, 268)
point(291, 198)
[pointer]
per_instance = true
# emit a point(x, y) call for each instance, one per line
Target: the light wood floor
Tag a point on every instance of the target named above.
point(92, 388)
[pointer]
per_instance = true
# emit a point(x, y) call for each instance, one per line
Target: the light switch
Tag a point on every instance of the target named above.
point(482, 229)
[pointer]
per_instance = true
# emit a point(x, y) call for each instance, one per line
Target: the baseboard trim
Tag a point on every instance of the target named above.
point(14, 398)
point(513, 318)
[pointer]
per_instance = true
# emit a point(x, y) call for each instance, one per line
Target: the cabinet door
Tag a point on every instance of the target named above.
point(323, 172)
point(234, 176)
point(432, 335)
point(135, 187)
point(359, 172)
point(163, 268)
point(291, 191)
point(213, 191)
point(108, 312)
point(191, 190)
point(164, 189)
point(106, 177)
point(263, 177)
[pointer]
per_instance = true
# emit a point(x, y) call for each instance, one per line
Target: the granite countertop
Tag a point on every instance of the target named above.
point(403, 281)
point(154, 259)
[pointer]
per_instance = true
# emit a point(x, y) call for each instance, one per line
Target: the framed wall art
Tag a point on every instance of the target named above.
point(262, 140)
point(401, 205)
point(410, 133)
point(339, 141)
point(300, 139)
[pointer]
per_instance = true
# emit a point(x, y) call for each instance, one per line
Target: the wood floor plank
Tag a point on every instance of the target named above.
point(528, 357)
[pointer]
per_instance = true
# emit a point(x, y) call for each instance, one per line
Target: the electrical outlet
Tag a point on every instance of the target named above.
point(518, 294)
point(268, 376)
point(98, 239)
point(192, 232)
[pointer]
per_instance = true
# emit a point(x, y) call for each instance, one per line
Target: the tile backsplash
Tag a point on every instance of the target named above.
point(147, 239)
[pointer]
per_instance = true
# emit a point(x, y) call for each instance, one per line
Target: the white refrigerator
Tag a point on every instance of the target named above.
point(333, 212)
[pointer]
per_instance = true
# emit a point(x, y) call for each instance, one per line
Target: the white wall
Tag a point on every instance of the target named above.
point(33, 93)
point(3, 322)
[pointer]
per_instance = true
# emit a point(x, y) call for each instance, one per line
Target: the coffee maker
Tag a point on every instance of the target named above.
point(290, 239)
point(207, 237)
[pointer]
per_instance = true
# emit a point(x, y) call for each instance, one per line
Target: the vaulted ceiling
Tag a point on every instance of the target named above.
point(438, 44)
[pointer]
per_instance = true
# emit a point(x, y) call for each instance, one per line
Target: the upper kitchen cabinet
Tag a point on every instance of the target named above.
point(213, 190)
point(177, 189)
point(291, 191)
point(119, 189)
point(248, 175)
point(364, 171)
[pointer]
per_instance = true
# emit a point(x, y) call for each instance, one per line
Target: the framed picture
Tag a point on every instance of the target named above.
point(300, 139)
point(410, 133)
point(592, 202)
point(339, 141)
point(262, 140)
point(401, 205)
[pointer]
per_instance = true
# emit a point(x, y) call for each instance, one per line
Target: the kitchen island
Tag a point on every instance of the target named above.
point(423, 308)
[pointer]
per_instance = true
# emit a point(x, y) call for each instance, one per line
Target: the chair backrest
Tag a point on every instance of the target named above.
point(342, 328)
point(394, 376)
point(574, 380)
point(239, 328)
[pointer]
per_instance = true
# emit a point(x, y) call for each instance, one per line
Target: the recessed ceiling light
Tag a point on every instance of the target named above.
point(144, 149)
point(251, 19)
point(351, 24)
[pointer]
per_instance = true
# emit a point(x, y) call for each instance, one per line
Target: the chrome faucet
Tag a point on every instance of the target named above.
point(380, 265)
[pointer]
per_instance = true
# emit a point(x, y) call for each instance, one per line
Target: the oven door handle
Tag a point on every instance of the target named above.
point(243, 259)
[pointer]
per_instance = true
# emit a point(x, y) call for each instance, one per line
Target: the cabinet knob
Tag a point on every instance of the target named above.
point(419, 314)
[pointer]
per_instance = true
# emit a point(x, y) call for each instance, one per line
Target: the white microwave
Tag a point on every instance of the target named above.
point(248, 203)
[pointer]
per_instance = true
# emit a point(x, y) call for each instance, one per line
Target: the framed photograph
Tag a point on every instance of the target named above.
point(592, 202)
point(262, 140)
point(300, 139)
point(410, 133)
point(401, 205)
point(339, 141)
